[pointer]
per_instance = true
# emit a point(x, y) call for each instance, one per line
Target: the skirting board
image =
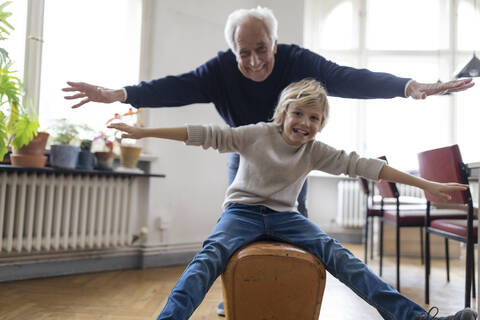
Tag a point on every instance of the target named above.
point(69, 264)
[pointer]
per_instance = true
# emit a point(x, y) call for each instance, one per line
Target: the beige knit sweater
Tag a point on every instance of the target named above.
point(272, 172)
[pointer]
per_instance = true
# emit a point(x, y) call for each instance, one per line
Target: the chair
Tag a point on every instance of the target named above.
point(445, 165)
point(374, 210)
point(273, 280)
point(371, 212)
point(405, 216)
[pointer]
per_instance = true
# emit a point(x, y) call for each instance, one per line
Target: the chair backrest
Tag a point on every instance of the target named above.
point(444, 165)
point(364, 185)
point(385, 188)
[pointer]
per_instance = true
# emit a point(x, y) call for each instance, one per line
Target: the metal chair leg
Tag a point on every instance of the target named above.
point(398, 255)
point(371, 237)
point(427, 267)
point(422, 253)
point(381, 247)
point(365, 239)
point(447, 260)
point(474, 295)
point(468, 273)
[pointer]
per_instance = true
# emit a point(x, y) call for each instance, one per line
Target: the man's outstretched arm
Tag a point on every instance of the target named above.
point(93, 93)
point(418, 90)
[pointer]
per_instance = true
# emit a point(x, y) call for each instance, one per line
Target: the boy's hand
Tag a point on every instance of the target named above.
point(131, 132)
point(443, 189)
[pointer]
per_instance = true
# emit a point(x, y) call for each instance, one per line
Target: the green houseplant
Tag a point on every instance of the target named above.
point(18, 128)
point(66, 135)
point(103, 146)
point(86, 159)
point(63, 154)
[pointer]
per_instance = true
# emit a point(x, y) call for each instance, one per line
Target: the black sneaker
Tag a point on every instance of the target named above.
point(221, 310)
point(465, 314)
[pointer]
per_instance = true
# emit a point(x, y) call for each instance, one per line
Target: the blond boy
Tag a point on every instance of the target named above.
point(261, 202)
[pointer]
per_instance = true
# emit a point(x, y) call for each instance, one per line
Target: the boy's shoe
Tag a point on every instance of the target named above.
point(465, 314)
point(221, 309)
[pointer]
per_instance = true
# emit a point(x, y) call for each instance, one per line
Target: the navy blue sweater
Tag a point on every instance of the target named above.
point(241, 101)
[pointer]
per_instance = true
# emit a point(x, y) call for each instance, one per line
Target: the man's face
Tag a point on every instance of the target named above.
point(254, 51)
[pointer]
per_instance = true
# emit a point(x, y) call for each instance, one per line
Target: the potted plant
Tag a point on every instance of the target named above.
point(129, 155)
point(63, 154)
point(129, 150)
point(19, 128)
point(86, 159)
point(103, 148)
point(28, 148)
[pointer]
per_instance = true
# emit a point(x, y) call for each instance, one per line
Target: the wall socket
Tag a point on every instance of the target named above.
point(159, 223)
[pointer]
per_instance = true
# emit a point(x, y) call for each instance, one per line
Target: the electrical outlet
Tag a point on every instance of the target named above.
point(158, 223)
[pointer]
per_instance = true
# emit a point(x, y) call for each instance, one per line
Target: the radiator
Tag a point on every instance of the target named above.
point(351, 201)
point(350, 204)
point(55, 212)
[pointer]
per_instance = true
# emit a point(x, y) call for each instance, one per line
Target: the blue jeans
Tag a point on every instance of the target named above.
point(233, 162)
point(242, 224)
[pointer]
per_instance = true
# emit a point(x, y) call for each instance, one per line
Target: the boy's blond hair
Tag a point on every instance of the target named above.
point(307, 92)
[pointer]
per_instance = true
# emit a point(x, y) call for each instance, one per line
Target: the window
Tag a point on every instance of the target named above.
point(15, 44)
point(468, 26)
point(91, 41)
point(426, 48)
point(79, 40)
point(333, 30)
point(387, 27)
point(338, 32)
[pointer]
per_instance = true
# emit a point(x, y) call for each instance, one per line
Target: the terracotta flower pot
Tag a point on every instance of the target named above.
point(129, 155)
point(36, 146)
point(33, 154)
point(25, 160)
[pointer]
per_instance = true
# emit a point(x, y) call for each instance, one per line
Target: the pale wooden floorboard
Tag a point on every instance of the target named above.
point(141, 294)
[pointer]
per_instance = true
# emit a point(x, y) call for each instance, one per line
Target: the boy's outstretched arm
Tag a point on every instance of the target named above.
point(178, 133)
point(434, 188)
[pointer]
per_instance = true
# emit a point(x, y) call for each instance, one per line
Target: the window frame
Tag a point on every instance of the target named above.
point(34, 45)
point(314, 10)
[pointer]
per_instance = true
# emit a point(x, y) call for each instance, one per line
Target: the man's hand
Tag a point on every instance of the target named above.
point(92, 93)
point(130, 132)
point(418, 90)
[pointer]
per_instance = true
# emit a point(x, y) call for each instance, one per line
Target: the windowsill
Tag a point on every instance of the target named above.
point(147, 157)
point(76, 172)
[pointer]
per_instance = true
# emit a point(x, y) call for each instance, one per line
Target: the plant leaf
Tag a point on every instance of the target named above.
point(25, 129)
point(3, 20)
point(3, 136)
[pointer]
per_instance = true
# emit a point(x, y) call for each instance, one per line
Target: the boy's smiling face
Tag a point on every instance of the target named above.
point(301, 123)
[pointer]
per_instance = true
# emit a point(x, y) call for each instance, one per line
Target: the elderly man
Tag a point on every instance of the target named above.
point(245, 81)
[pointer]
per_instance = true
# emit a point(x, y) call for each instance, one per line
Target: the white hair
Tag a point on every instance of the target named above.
point(240, 15)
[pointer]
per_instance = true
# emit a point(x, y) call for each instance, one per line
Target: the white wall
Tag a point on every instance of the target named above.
point(183, 35)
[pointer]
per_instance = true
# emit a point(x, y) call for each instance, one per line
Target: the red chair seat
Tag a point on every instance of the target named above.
point(376, 210)
point(417, 217)
point(458, 227)
point(403, 200)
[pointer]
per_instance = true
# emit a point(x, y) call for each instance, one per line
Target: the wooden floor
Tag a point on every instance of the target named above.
point(141, 294)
